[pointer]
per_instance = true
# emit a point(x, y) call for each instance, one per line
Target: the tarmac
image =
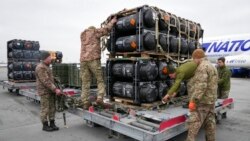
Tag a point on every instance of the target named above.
point(19, 120)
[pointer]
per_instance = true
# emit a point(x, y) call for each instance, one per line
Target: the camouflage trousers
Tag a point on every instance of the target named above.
point(190, 86)
point(48, 108)
point(203, 115)
point(87, 68)
point(222, 94)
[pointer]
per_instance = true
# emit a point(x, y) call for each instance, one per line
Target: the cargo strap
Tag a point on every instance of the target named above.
point(168, 35)
point(104, 43)
point(59, 100)
point(177, 61)
point(176, 101)
point(188, 37)
point(179, 44)
point(123, 12)
point(73, 102)
point(158, 46)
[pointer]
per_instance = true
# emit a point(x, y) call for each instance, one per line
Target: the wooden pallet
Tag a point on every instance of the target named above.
point(10, 60)
point(145, 54)
point(128, 103)
point(21, 81)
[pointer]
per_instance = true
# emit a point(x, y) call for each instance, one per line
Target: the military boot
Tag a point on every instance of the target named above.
point(53, 126)
point(46, 127)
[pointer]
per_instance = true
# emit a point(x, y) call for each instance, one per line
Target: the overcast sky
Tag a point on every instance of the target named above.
point(57, 24)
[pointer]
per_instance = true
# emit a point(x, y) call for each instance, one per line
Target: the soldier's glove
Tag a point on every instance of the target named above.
point(173, 95)
point(192, 106)
point(58, 92)
point(165, 99)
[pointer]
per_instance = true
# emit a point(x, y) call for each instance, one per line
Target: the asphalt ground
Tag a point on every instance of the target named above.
point(19, 120)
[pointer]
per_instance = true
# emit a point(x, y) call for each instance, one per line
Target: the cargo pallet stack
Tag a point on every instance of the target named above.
point(69, 75)
point(142, 44)
point(23, 56)
point(61, 72)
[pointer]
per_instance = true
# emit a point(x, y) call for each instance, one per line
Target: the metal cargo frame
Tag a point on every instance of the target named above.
point(122, 126)
point(132, 131)
point(31, 94)
point(17, 86)
point(118, 127)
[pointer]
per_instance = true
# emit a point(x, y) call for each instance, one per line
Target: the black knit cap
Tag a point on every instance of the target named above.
point(44, 54)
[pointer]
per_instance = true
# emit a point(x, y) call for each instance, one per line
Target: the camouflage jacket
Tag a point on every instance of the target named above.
point(205, 79)
point(224, 78)
point(184, 72)
point(44, 79)
point(90, 43)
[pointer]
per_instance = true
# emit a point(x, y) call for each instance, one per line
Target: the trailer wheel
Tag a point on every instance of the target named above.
point(115, 134)
point(91, 124)
point(10, 90)
point(36, 101)
point(218, 118)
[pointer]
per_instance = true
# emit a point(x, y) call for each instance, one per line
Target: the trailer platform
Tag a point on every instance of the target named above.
point(146, 125)
point(16, 86)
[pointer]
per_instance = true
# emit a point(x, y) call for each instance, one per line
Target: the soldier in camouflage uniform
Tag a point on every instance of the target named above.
point(90, 61)
point(46, 89)
point(224, 83)
point(224, 79)
point(203, 97)
point(182, 73)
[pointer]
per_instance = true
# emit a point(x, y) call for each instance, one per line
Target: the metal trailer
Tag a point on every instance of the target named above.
point(31, 94)
point(158, 124)
point(147, 125)
point(16, 87)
